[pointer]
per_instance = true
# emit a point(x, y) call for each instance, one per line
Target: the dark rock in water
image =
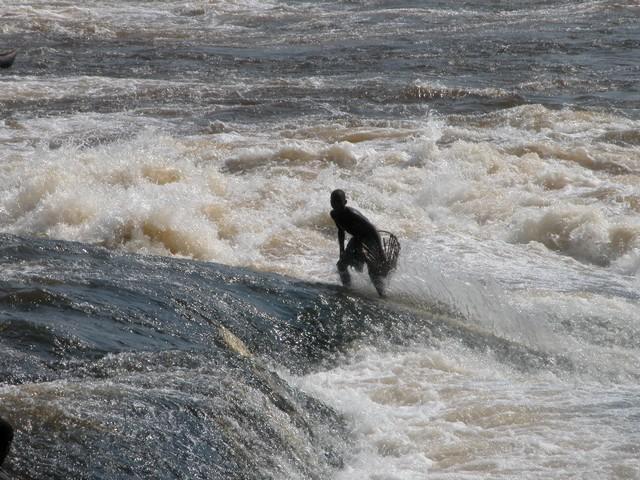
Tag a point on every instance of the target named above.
point(6, 435)
point(7, 58)
point(128, 366)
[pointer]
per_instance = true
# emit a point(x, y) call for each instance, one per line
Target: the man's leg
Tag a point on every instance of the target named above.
point(378, 281)
point(352, 257)
point(375, 259)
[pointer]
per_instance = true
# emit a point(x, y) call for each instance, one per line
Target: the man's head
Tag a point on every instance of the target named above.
point(338, 199)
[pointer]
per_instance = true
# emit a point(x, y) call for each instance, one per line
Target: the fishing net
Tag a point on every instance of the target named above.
point(391, 252)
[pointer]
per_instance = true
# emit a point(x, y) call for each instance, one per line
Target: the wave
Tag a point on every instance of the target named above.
point(115, 359)
point(339, 153)
point(581, 232)
point(258, 199)
point(424, 92)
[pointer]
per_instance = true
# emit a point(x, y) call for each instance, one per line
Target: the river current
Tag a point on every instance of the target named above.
point(169, 305)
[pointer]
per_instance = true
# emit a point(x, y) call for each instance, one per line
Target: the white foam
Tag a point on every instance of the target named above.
point(94, 87)
point(447, 413)
point(172, 19)
point(451, 190)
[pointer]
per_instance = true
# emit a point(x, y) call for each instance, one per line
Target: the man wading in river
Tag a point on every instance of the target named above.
point(365, 246)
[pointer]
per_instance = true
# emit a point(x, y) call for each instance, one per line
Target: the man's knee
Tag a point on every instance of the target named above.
point(343, 271)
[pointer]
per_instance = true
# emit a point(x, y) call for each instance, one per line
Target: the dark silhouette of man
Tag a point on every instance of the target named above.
point(6, 435)
point(365, 245)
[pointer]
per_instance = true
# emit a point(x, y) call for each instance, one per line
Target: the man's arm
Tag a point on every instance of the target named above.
point(340, 232)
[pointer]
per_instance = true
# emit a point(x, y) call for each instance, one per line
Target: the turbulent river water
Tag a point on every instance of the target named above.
point(169, 305)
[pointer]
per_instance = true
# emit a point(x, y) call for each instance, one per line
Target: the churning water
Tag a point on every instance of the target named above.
point(169, 304)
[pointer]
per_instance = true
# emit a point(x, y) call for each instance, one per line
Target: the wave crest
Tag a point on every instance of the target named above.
point(582, 233)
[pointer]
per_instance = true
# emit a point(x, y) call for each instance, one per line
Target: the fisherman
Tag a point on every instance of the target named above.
point(6, 435)
point(365, 245)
